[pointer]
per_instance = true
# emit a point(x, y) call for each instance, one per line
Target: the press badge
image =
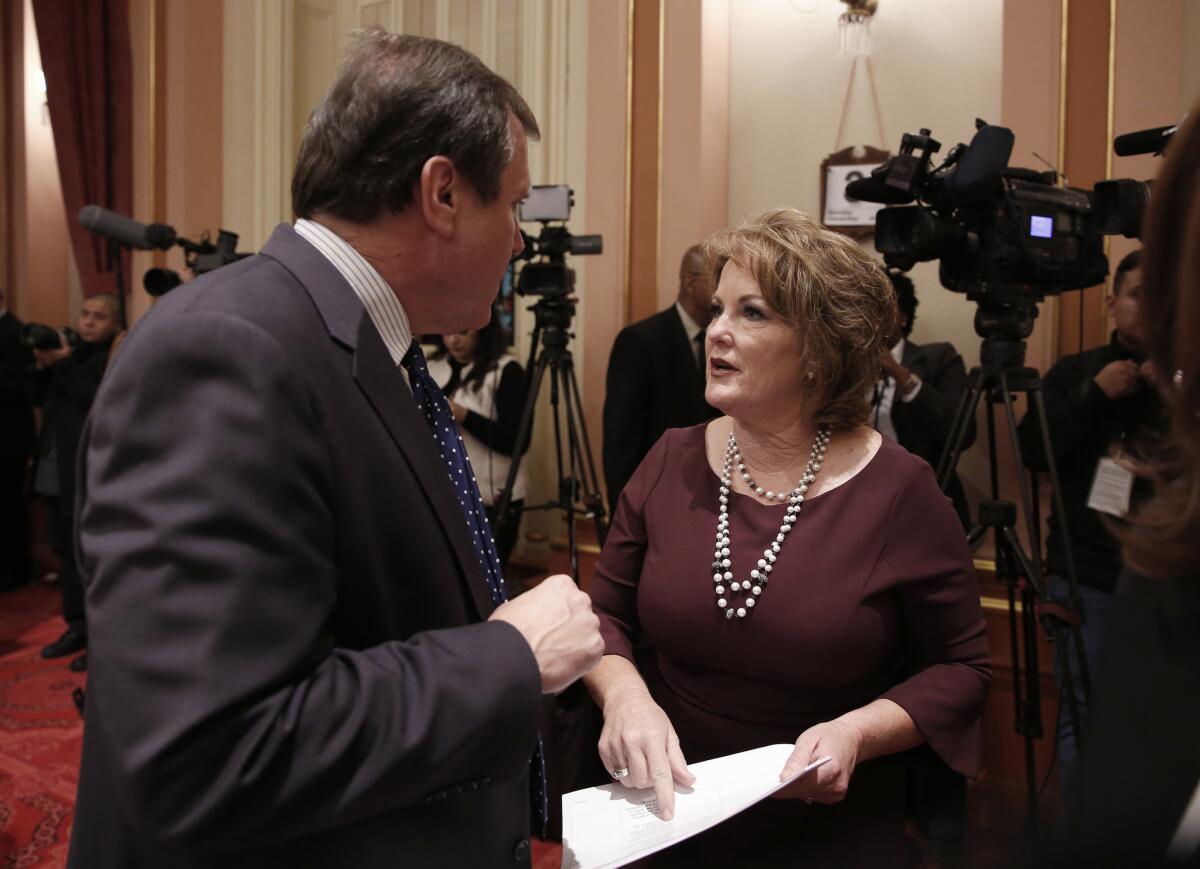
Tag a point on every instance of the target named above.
point(1111, 488)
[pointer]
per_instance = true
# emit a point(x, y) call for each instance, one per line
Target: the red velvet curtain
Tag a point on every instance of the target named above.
point(86, 60)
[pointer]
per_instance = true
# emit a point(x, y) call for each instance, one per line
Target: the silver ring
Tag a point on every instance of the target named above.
point(619, 774)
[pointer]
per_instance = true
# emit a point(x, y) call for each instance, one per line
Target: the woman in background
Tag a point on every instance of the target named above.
point(486, 390)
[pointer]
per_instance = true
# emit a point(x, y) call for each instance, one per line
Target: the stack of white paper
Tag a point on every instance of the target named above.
point(613, 825)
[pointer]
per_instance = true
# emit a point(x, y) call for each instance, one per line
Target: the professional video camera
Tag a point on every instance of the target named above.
point(200, 256)
point(550, 280)
point(549, 276)
point(35, 336)
point(999, 232)
point(1121, 202)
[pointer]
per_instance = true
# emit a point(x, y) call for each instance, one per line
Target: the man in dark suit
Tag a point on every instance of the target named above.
point(16, 443)
point(656, 376)
point(918, 393)
point(298, 654)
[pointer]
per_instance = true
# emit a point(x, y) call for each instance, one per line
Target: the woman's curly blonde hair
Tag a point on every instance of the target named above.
point(835, 296)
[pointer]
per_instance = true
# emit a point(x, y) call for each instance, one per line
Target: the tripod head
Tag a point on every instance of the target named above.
point(552, 318)
point(1004, 324)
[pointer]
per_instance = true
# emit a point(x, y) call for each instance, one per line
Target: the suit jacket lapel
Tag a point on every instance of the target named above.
point(384, 387)
point(686, 350)
point(385, 390)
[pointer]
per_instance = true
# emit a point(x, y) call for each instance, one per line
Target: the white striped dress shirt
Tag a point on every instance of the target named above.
point(372, 290)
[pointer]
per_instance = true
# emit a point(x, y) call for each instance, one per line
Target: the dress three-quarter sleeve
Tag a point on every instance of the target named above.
point(945, 639)
point(614, 586)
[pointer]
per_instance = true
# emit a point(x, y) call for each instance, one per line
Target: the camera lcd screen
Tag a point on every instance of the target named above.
point(1041, 226)
point(547, 202)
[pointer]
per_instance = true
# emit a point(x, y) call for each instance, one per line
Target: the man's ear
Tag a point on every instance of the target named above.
point(439, 195)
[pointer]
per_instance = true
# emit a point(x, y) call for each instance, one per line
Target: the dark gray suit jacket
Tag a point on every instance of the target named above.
point(652, 385)
point(286, 661)
point(923, 424)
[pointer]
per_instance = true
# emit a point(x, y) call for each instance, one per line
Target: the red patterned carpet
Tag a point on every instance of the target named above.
point(41, 734)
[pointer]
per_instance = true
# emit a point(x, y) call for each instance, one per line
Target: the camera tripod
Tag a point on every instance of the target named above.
point(578, 492)
point(1001, 372)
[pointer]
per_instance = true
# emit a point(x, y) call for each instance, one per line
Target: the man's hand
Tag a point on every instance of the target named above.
point(897, 372)
point(557, 621)
point(1119, 379)
point(46, 358)
point(1149, 373)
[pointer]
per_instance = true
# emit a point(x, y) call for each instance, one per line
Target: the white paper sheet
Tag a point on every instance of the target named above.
point(613, 825)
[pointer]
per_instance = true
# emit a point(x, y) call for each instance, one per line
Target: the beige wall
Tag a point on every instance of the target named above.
point(42, 267)
point(936, 65)
point(695, 143)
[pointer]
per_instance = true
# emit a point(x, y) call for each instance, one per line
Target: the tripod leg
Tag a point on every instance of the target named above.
point(502, 508)
point(1068, 552)
point(958, 429)
point(591, 487)
point(1027, 696)
point(1033, 576)
point(566, 499)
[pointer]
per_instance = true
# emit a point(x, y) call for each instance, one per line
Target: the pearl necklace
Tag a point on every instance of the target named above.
point(752, 588)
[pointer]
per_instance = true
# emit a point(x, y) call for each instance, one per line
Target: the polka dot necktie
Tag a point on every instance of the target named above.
point(441, 423)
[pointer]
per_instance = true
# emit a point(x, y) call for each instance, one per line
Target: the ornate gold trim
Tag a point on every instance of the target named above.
point(658, 195)
point(1062, 90)
point(628, 289)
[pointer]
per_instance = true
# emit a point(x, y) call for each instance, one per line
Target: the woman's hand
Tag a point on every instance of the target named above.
point(829, 782)
point(457, 411)
point(638, 736)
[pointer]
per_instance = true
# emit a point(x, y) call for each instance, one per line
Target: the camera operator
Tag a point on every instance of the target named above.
point(65, 385)
point(16, 442)
point(918, 392)
point(1097, 403)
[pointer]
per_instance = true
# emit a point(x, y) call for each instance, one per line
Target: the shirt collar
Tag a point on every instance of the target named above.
point(689, 325)
point(898, 350)
point(384, 309)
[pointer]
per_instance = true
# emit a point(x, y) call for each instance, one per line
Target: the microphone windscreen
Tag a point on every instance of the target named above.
point(117, 227)
point(872, 189)
point(1142, 141)
point(982, 164)
point(160, 235)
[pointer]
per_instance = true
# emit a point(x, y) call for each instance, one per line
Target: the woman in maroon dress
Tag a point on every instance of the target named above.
point(798, 577)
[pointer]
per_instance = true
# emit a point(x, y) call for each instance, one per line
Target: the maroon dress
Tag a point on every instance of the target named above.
point(873, 596)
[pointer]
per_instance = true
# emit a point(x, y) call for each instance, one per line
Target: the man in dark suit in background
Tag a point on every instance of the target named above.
point(656, 376)
point(918, 393)
point(299, 651)
point(16, 443)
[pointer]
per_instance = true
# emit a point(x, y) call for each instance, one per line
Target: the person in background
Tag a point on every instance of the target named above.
point(799, 578)
point(64, 386)
point(16, 443)
point(655, 377)
point(1098, 404)
point(1139, 794)
point(486, 390)
point(918, 392)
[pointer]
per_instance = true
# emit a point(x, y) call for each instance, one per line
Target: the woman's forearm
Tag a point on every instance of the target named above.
point(614, 677)
point(883, 727)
